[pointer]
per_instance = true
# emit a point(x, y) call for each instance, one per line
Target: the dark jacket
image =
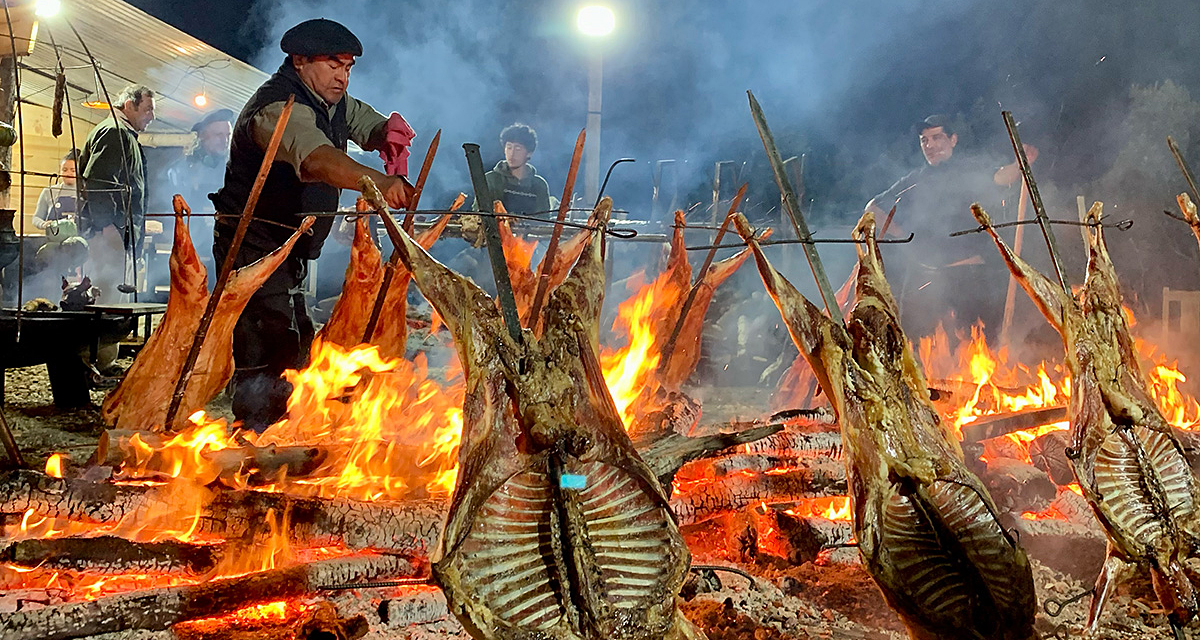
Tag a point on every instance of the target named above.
point(112, 172)
point(519, 196)
point(285, 198)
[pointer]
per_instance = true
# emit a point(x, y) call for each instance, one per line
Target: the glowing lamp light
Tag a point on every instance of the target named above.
point(96, 104)
point(200, 100)
point(595, 20)
point(47, 8)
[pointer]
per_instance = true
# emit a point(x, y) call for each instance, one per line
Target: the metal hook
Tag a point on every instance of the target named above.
point(606, 177)
point(1054, 606)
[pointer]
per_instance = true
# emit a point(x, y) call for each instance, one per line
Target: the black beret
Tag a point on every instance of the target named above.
point(320, 37)
point(220, 115)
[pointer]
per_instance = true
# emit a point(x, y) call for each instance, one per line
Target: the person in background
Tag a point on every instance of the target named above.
point(57, 201)
point(112, 167)
point(275, 332)
point(64, 253)
point(939, 279)
point(514, 181)
point(199, 173)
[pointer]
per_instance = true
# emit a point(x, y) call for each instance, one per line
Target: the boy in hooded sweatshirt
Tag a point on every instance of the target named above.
point(514, 181)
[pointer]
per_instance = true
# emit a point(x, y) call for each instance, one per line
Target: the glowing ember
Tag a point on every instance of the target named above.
point(830, 508)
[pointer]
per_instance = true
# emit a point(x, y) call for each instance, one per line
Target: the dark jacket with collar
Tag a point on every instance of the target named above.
point(285, 198)
point(112, 172)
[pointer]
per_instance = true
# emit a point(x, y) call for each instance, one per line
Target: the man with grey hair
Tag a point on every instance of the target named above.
point(112, 172)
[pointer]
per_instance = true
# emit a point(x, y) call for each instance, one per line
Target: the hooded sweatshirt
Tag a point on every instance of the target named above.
point(528, 195)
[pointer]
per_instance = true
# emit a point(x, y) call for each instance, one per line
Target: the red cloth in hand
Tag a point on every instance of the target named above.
point(394, 152)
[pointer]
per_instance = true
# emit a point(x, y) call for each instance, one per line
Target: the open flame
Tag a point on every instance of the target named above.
point(377, 429)
point(830, 508)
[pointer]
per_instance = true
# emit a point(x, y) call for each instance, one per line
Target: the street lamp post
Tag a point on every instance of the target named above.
point(595, 21)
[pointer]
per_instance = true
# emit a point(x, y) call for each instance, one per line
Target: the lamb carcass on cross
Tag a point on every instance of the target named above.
point(139, 401)
point(1126, 457)
point(557, 528)
point(926, 526)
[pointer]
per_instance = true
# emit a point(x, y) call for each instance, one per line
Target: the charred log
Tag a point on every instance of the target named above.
point(796, 444)
point(997, 425)
point(409, 527)
point(711, 498)
point(112, 555)
point(161, 608)
point(665, 452)
point(1018, 486)
point(801, 539)
point(1048, 452)
point(234, 466)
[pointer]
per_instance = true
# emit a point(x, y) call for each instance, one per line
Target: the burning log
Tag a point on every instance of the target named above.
point(1048, 452)
point(793, 444)
point(158, 609)
point(1003, 423)
point(112, 555)
point(709, 499)
point(669, 451)
point(410, 527)
point(258, 465)
point(1018, 486)
point(664, 411)
point(801, 538)
point(749, 463)
point(285, 620)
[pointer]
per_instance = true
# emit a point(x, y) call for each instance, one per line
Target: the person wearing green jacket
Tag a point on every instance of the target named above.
point(514, 181)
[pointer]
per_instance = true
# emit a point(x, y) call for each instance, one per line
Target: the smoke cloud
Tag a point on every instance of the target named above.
point(1096, 86)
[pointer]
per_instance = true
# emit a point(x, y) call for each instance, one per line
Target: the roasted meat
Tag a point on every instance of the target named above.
point(518, 255)
point(139, 402)
point(925, 525)
point(391, 332)
point(347, 324)
point(557, 528)
point(364, 273)
point(686, 355)
point(1125, 455)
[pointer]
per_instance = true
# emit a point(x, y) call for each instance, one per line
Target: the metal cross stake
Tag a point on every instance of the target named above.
point(792, 206)
point(1035, 198)
point(491, 233)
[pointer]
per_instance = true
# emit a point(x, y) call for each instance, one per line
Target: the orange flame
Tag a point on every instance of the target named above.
point(54, 466)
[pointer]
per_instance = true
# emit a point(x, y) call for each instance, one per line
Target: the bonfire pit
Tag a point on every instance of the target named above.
point(332, 523)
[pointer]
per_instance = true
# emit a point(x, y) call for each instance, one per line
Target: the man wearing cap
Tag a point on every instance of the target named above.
point(202, 171)
point(311, 167)
point(940, 279)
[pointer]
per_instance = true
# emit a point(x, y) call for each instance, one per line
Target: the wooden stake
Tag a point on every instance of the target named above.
point(1010, 298)
point(534, 320)
point(227, 267)
point(389, 271)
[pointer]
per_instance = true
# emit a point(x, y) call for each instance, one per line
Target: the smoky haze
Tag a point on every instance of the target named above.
point(1096, 86)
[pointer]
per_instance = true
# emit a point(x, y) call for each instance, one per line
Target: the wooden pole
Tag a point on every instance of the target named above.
point(1010, 298)
point(792, 206)
point(564, 205)
point(389, 271)
point(227, 267)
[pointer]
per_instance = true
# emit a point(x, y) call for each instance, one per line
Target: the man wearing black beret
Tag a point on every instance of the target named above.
point(310, 168)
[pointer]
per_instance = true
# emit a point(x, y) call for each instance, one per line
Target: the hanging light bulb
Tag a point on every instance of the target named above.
point(200, 100)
